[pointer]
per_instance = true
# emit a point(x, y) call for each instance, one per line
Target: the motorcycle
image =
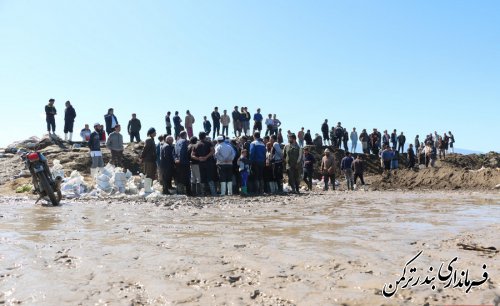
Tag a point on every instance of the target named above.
point(43, 181)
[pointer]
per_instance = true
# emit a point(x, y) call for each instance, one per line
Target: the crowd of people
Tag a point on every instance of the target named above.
point(254, 160)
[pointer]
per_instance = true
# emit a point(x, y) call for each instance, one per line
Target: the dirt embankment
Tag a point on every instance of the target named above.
point(475, 171)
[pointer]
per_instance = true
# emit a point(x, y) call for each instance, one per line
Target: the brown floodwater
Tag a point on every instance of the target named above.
point(330, 249)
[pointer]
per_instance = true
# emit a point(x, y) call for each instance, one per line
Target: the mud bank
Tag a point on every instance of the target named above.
point(331, 249)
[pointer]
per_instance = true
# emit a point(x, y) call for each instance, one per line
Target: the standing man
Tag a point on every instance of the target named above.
point(216, 122)
point(339, 133)
point(50, 112)
point(224, 155)
point(257, 121)
point(203, 153)
point(359, 168)
point(308, 138)
point(110, 120)
point(308, 168)
point(328, 169)
point(95, 150)
point(417, 142)
point(148, 155)
point(411, 157)
point(277, 162)
point(394, 139)
point(207, 127)
point(354, 140)
point(188, 123)
point(452, 141)
point(346, 167)
point(115, 145)
point(85, 133)
point(177, 124)
point(346, 139)
point(401, 142)
point(225, 120)
point(300, 137)
point(168, 124)
point(258, 160)
point(182, 162)
point(269, 125)
point(293, 162)
point(133, 128)
point(69, 121)
point(236, 122)
point(276, 124)
point(325, 130)
point(364, 138)
point(167, 163)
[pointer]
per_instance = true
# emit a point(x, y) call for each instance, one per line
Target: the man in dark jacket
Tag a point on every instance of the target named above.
point(308, 138)
point(177, 124)
point(216, 122)
point(236, 122)
point(411, 157)
point(182, 161)
point(133, 128)
point(95, 150)
point(167, 163)
point(358, 166)
point(148, 155)
point(69, 120)
point(258, 160)
point(325, 131)
point(168, 124)
point(345, 139)
point(207, 127)
point(308, 168)
point(346, 167)
point(50, 112)
point(401, 142)
point(394, 139)
point(111, 121)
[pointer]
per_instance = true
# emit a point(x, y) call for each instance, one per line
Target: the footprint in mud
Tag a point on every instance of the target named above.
point(63, 258)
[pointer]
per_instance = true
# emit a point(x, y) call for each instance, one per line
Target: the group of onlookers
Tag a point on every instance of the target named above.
point(248, 163)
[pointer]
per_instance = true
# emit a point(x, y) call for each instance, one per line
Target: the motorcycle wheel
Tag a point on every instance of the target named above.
point(44, 181)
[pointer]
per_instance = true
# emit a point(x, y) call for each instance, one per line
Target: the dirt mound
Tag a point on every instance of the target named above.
point(438, 178)
point(475, 171)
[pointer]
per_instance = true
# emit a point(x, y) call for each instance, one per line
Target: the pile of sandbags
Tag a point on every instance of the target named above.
point(74, 186)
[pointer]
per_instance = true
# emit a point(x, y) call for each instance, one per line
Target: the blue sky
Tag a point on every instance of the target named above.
point(418, 66)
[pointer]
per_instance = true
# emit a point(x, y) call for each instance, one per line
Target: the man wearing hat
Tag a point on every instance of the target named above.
point(95, 150)
point(224, 155)
point(148, 155)
point(328, 169)
point(50, 112)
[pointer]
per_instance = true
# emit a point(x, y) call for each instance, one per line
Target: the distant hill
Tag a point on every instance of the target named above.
point(467, 151)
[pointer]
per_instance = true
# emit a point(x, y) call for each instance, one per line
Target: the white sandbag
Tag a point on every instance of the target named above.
point(120, 182)
point(57, 169)
point(128, 174)
point(147, 185)
point(103, 178)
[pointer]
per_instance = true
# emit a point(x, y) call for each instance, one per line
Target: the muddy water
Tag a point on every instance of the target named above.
point(329, 249)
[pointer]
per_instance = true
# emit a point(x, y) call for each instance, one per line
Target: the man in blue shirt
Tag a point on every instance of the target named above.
point(258, 160)
point(257, 118)
point(346, 167)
